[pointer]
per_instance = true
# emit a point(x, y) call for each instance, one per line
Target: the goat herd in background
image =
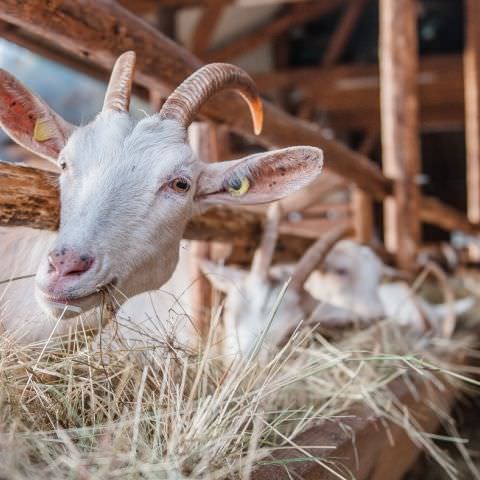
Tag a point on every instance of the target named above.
point(128, 190)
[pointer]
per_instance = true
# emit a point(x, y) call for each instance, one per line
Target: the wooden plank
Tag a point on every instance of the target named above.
point(271, 29)
point(400, 127)
point(344, 30)
point(472, 107)
point(364, 445)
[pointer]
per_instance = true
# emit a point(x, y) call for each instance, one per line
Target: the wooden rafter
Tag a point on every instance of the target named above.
point(55, 53)
point(440, 82)
point(344, 30)
point(205, 27)
point(271, 29)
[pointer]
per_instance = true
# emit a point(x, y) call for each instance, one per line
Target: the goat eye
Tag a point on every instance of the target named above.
point(63, 164)
point(238, 186)
point(180, 185)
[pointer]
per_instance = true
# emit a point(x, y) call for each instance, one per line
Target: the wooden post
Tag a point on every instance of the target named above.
point(362, 202)
point(203, 140)
point(471, 66)
point(399, 122)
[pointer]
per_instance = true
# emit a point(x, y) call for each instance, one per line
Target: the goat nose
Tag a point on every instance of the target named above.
point(64, 262)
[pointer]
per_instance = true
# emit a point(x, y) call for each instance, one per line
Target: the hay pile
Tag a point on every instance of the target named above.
point(73, 412)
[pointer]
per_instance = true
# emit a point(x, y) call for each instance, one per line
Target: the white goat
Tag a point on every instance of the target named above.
point(128, 189)
point(251, 297)
point(350, 278)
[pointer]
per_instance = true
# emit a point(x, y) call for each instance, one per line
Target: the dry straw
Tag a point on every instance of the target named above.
point(84, 410)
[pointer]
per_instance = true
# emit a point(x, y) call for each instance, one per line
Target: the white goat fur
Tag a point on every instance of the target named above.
point(351, 278)
point(256, 297)
point(117, 200)
point(150, 317)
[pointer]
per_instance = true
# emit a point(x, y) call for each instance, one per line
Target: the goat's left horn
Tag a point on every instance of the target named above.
point(185, 102)
point(120, 85)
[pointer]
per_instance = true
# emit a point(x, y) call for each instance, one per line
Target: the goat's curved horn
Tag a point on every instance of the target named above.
point(119, 87)
point(316, 254)
point(264, 254)
point(185, 102)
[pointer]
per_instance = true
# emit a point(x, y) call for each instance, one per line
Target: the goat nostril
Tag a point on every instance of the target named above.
point(66, 263)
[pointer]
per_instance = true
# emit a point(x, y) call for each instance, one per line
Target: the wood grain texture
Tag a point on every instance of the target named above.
point(472, 107)
point(400, 127)
point(28, 196)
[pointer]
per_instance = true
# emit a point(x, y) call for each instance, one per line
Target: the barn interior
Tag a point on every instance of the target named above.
point(388, 89)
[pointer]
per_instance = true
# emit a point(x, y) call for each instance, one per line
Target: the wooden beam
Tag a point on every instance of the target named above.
point(432, 119)
point(205, 27)
point(29, 197)
point(271, 29)
point(344, 30)
point(56, 54)
point(80, 27)
point(472, 107)
point(440, 82)
point(400, 127)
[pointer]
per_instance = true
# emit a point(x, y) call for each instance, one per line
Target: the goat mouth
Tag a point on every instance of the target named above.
point(69, 301)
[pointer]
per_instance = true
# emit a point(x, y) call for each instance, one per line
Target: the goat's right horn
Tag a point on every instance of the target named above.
point(119, 87)
point(185, 102)
point(316, 254)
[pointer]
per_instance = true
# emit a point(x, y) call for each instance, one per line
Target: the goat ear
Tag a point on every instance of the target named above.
point(29, 121)
point(221, 277)
point(259, 178)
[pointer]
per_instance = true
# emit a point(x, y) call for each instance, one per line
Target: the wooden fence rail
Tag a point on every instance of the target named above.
point(29, 197)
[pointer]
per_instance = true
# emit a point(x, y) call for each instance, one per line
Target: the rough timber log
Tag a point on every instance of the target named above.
point(98, 31)
point(29, 197)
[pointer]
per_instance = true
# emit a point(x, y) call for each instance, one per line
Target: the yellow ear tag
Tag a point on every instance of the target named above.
point(43, 131)
point(239, 186)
